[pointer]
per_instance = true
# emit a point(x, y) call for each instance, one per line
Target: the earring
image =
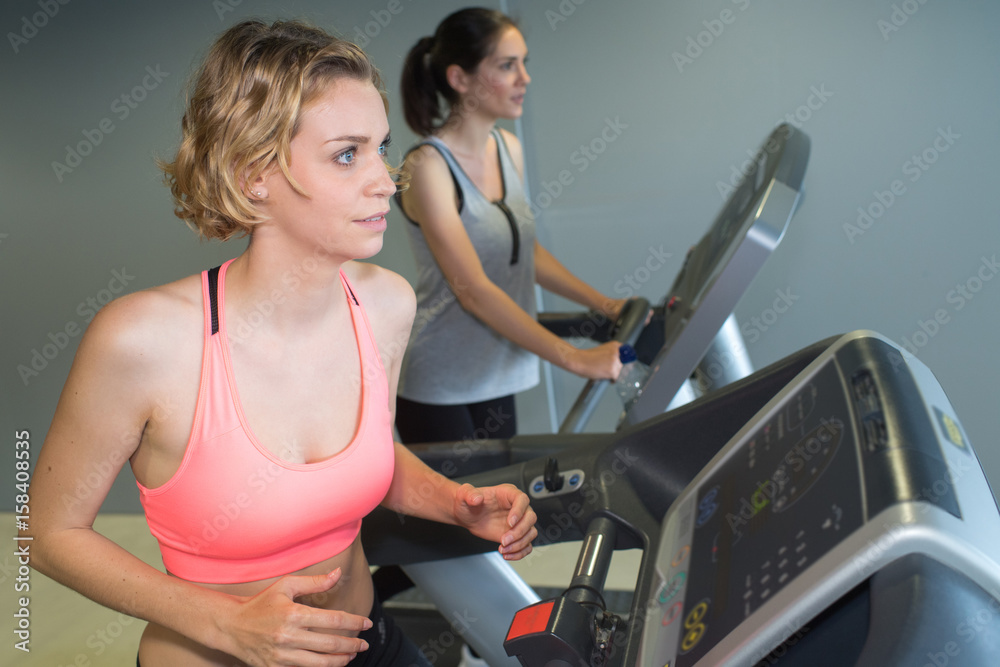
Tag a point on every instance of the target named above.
point(258, 195)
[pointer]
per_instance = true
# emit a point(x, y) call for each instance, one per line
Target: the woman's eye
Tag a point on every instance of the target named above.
point(347, 157)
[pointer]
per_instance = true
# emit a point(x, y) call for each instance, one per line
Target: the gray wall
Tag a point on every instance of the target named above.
point(684, 90)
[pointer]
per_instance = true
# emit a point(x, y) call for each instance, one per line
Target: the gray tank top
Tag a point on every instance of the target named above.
point(452, 356)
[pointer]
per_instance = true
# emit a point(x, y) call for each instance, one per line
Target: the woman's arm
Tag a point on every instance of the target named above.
point(556, 278)
point(430, 200)
point(107, 411)
point(549, 272)
point(499, 513)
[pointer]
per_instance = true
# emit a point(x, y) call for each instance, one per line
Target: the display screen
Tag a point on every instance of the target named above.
point(732, 223)
point(789, 494)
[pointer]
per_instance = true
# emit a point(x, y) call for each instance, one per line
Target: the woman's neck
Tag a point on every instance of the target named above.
point(467, 134)
point(290, 290)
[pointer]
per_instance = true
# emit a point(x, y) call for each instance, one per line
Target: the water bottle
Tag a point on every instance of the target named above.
point(632, 378)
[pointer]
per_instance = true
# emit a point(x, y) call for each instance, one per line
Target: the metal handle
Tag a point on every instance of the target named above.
point(627, 328)
point(587, 585)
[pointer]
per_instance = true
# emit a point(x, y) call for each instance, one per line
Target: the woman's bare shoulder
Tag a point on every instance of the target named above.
point(379, 287)
point(387, 297)
point(514, 147)
point(425, 157)
point(142, 326)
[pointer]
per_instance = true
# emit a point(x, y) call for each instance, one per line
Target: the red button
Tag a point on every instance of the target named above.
point(531, 620)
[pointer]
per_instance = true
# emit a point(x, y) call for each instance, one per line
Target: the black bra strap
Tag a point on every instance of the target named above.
point(352, 293)
point(213, 296)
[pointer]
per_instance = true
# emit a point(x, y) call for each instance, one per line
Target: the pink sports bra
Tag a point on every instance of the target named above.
point(234, 512)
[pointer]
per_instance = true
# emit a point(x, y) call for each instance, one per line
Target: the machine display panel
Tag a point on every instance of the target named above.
point(769, 511)
point(739, 214)
point(719, 268)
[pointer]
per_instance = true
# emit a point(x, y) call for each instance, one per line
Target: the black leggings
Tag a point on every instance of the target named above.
point(387, 645)
point(424, 422)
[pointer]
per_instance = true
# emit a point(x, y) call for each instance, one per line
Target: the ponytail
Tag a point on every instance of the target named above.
point(420, 91)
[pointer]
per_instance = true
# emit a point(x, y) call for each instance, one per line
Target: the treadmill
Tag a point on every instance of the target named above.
point(695, 318)
point(826, 510)
point(692, 330)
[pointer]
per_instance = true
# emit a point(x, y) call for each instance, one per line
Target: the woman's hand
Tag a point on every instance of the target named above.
point(498, 513)
point(595, 363)
point(612, 308)
point(271, 628)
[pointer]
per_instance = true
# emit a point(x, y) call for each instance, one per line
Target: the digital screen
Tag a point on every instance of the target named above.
point(789, 494)
point(736, 216)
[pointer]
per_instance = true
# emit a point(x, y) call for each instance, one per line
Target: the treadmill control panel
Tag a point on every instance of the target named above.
point(791, 490)
point(719, 268)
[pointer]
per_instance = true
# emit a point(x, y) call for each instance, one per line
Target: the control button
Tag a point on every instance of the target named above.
point(694, 626)
point(696, 614)
point(672, 587)
point(707, 507)
point(834, 520)
point(685, 525)
point(531, 620)
point(682, 554)
point(692, 637)
point(671, 614)
point(553, 482)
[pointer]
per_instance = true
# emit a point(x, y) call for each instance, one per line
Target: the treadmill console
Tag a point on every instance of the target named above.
point(859, 462)
point(720, 267)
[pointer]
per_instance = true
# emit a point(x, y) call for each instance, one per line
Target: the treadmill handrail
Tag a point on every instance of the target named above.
point(627, 328)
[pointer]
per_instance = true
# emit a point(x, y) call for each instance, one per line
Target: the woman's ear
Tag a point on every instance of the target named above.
point(255, 189)
point(458, 79)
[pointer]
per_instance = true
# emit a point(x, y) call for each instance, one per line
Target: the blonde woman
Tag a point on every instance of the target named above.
point(279, 439)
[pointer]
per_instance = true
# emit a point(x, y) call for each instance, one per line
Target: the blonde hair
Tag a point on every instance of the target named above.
point(244, 107)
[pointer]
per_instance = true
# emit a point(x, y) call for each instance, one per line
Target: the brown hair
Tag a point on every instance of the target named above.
point(464, 38)
point(243, 109)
